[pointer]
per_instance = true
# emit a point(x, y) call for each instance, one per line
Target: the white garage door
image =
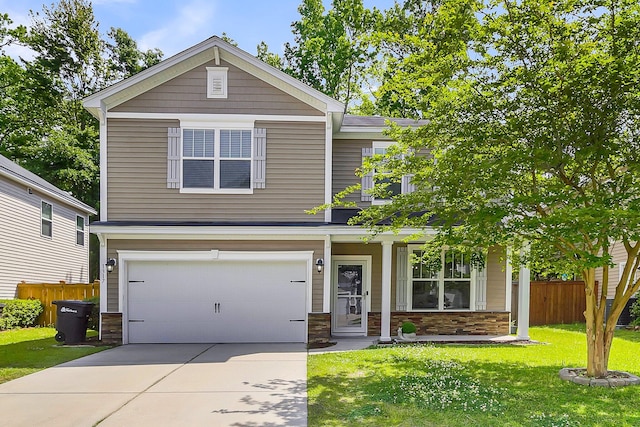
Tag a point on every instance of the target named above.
point(216, 301)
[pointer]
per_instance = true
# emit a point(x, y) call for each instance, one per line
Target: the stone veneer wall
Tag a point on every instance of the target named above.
point(446, 323)
point(319, 328)
point(112, 328)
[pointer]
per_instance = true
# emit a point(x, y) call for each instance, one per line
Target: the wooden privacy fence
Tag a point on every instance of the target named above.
point(48, 292)
point(556, 302)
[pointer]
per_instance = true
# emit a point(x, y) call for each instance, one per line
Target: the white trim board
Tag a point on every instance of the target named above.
point(214, 118)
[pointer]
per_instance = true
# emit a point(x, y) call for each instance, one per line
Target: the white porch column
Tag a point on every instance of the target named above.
point(385, 311)
point(524, 285)
point(326, 295)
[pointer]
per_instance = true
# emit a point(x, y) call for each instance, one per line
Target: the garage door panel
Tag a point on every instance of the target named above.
point(218, 301)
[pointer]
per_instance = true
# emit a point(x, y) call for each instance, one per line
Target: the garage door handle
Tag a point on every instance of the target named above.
point(130, 320)
point(296, 320)
point(298, 281)
point(216, 307)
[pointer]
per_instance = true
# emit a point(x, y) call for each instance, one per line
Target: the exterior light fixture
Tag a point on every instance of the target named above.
point(319, 264)
point(111, 263)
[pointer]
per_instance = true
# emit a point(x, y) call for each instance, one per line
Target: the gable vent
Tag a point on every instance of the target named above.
point(217, 82)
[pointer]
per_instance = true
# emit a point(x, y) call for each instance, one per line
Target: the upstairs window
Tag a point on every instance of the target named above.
point(392, 188)
point(46, 216)
point(216, 159)
point(368, 181)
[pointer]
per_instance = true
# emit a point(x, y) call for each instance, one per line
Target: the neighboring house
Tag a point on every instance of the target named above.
point(208, 163)
point(44, 231)
point(619, 260)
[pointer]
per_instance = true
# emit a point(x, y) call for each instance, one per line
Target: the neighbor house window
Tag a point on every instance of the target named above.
point(443, 287)
point(80, 230)
point(216, 159)
point(46, 215)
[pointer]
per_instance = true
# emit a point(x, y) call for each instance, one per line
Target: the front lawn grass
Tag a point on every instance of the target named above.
point(472, 385)
point(25, 351)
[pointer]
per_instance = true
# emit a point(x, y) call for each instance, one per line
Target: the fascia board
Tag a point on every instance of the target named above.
point(337, 233)
point(198, 55)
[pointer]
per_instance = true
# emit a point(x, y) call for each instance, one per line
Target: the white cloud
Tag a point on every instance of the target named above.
point(191, 24)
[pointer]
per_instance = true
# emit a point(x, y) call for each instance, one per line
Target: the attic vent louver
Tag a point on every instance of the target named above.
point(217, 82)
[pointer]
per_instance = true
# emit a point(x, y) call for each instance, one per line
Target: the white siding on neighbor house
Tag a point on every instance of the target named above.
point(27, 256)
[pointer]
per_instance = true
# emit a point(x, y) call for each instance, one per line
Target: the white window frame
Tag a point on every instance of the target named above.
point(217, 74)
point(473, 280)
point(382, 145)
point(79, 230)
point(216, 158)
point(42, 219)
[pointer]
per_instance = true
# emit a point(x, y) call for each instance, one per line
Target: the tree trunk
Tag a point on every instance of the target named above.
point(598, 340)
point(600, 330)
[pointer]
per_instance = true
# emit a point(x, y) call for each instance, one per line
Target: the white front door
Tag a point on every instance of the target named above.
point(351, 281)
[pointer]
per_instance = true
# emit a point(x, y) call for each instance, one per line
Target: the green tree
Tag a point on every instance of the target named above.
point(531, 136)
point(270, 58)
point(331, 51)
point(125, 59)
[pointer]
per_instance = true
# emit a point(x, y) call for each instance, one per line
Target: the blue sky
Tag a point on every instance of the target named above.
point(173, 26)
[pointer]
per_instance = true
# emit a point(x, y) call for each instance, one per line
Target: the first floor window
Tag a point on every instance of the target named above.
point(46, 215)
point(217, 159)
point(80, 230)
point(446, 286)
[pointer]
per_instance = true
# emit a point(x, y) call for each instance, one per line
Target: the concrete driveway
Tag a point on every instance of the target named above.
point(166, 385)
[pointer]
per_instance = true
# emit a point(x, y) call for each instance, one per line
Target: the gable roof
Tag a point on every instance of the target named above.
point(211, 49)
point(17, 173)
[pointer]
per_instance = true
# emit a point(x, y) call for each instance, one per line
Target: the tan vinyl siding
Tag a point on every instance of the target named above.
point(375, 250)
point(347, 157)
point(496, 279)
point(194, 245)
point(25, 254)
point(187, 93)
point(137, 171)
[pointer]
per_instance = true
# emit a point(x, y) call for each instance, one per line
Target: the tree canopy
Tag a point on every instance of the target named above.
point(531, 134)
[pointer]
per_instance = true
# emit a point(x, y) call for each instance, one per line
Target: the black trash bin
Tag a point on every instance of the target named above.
point(72, 320)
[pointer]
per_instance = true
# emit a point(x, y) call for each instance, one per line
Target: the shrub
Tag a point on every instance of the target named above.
point(635, 313)
point(20, 313)
point(94, 317)
point(408, 328)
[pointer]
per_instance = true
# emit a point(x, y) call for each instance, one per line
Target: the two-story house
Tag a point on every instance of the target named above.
point(44, 231)
point(208, 162)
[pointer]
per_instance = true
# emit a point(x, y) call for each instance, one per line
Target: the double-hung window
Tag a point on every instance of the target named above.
point(380, 177)
point(392, 187)
point(446, 288)
point(216, 159)
point(79, 230)
point(46, 217)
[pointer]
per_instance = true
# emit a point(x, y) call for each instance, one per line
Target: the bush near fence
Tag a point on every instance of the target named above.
point(49, 292)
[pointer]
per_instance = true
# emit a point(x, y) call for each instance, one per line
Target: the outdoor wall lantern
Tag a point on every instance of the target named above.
point(319, 264)
point(111, 263)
